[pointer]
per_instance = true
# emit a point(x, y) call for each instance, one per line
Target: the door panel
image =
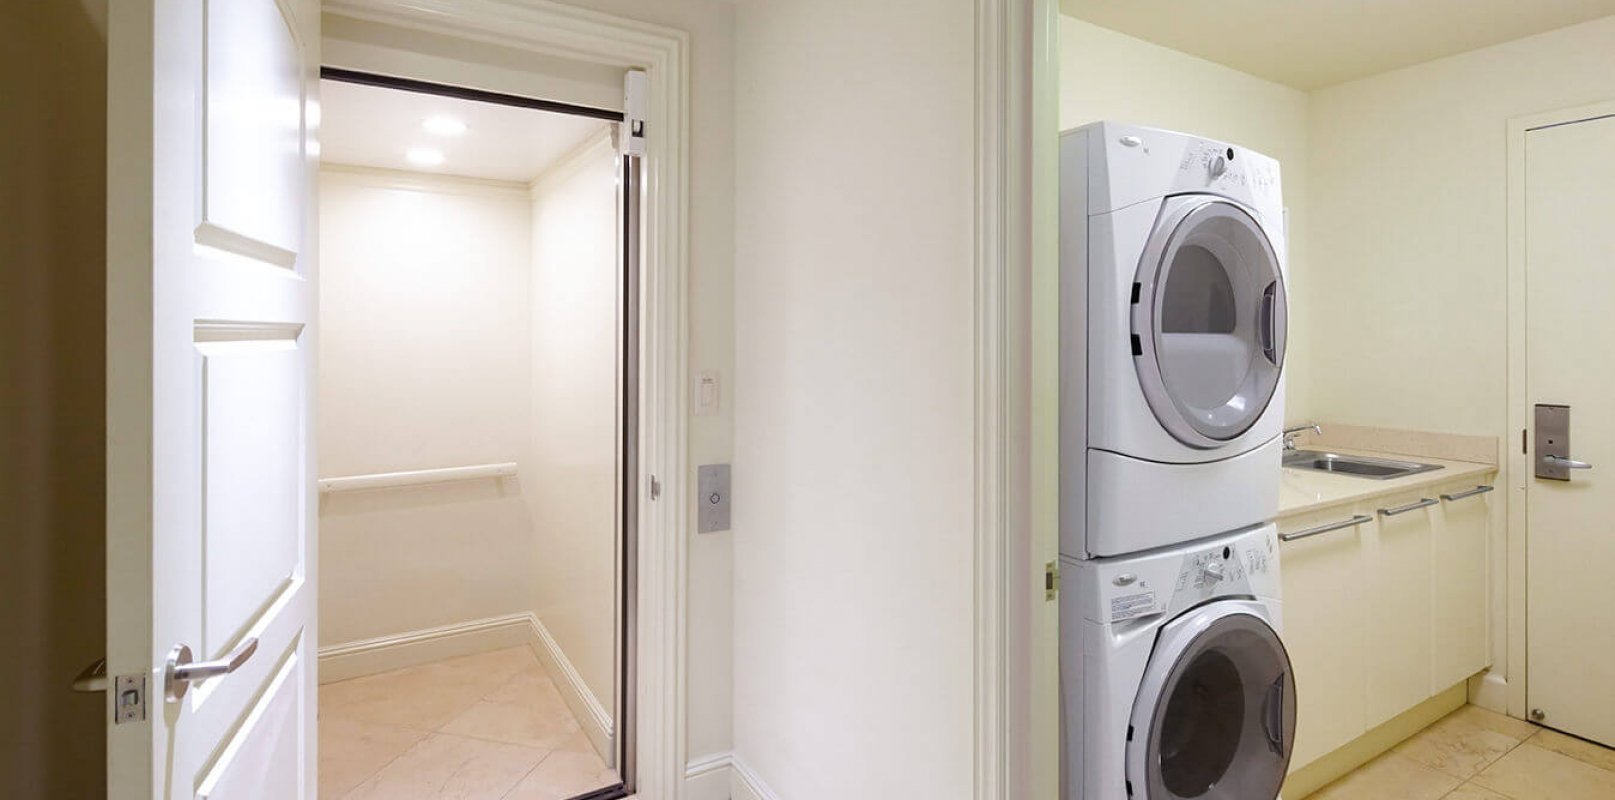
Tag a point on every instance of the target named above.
point(210, 347)
point(1399, 620)
point(1460, 543)
point(1324, 595)
point(1570, 252)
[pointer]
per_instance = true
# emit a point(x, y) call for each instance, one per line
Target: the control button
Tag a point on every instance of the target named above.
point(1130, 141)
point(1125, 579)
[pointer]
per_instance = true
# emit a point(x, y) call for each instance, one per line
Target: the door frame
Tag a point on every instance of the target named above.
point(1504, 686)
point(663, 54)
point(1016, 467)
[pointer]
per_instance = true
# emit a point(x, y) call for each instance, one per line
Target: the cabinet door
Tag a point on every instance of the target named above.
point(1324, 630)
point(1460, 544)
point(1399, 651)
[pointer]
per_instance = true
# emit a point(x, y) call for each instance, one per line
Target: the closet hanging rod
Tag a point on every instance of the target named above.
point(418, 477)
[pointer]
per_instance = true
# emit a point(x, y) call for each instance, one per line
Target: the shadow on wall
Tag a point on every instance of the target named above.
point(52, 389)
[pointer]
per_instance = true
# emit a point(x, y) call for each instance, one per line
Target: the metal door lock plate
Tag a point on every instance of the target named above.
point(1552, 441)
point(129, 705)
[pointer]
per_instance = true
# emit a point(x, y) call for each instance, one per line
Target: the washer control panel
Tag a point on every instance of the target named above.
point(1134, 587)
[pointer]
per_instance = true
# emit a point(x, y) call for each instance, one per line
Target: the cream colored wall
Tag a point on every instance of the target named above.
point(1409, 187)
point(570, 468)
point(1105, 75)
point(423, 364)
point(854, 364)
point(52, 395)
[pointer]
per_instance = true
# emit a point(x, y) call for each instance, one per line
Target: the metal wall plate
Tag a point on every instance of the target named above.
point(712, 498)
point(1552, 439)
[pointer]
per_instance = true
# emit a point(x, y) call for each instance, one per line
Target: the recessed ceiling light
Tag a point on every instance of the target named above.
point(443, 126)
point(424, 156)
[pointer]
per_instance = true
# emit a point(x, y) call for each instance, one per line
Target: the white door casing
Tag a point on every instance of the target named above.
point(210, 347)
point(1569, 195)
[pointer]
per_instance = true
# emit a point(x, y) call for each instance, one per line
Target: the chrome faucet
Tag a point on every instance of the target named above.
point(1289, 434)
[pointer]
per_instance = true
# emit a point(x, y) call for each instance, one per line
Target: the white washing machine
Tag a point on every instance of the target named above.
point(1173, 319)
point(1173, 681)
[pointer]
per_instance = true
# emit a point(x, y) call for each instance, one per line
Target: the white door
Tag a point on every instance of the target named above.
point(1570, 278)
point(210, 343)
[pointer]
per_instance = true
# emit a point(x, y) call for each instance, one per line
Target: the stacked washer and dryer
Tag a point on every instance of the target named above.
point(1174, 681)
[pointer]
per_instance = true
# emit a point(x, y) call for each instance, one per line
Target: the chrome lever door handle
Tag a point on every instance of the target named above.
point(181, 670)
point(93, 678)
point(1567, 463)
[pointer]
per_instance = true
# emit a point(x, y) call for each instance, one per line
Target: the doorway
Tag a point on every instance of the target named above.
point(1563, 188)
point(477, 443)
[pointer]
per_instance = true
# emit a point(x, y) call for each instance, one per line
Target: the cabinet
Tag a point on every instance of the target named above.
point(1385, 605)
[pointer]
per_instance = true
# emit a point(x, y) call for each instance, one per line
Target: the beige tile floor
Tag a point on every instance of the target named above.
point(485, 727)
point(1475, 754)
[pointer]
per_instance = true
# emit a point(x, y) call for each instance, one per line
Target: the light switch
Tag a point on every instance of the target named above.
point(707, 393)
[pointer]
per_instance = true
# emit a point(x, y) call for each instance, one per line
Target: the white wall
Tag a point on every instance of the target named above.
point(1408, 174)
point(854, 372)
point(570, 469)
point(423, 364)
point(52, 396)
point(1105, 75)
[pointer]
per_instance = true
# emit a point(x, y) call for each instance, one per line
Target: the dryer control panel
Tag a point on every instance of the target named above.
point(1128, 164)
point(1169, 581)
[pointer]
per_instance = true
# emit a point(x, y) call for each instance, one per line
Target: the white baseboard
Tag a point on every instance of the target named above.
point(709, 777)
point(385, 653)
point(745, 784)
point(586, 707)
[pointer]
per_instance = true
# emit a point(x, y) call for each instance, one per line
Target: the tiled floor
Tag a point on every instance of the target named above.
point(1474, 754)
point(483, 727)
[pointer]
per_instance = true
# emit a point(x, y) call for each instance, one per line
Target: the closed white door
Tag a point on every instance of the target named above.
point(1570, 278)
point(210, 343)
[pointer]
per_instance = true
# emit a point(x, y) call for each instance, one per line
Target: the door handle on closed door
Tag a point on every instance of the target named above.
point(181, 670)
point(93, 678)
point(1566, 463)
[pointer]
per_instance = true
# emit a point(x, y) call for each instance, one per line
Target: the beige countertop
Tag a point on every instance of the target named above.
point(1301, 491)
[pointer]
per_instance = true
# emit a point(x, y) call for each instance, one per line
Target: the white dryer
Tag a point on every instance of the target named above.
point(1173, 318)
point(1174, 683)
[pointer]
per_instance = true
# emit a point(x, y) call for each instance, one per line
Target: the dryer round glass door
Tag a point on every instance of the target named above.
point(1215, 715)
point(1209, 320)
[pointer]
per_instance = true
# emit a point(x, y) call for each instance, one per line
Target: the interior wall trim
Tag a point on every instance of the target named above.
point(745, 784)
point(585, 705)
point(710, 777)
point(385, 653)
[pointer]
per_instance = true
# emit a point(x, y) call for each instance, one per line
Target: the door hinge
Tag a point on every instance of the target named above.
point(655, 488)
point(130, 703)
point(1051, 581)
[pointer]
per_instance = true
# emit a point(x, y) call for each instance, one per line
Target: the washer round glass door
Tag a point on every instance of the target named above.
point(1215, 714)
point(1209, 321)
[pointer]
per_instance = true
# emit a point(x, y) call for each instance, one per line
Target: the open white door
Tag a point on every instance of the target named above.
point(210, 348)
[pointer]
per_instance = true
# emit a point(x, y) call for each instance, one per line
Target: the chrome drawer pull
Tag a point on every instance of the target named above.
point(1414, 506)
point(1471, 493)
point(1326, 528)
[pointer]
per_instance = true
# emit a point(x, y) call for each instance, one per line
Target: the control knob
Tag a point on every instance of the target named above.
point(1212, 572)
point(1217, 166)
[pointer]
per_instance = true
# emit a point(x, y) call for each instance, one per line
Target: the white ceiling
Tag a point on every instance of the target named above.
point(370, 126)
point(1309, 44)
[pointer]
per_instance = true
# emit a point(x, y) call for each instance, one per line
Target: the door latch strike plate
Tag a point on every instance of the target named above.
point(1051, 581)
point(129, 704)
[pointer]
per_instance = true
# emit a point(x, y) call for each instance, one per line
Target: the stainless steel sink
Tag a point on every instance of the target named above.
point(1378, 469)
